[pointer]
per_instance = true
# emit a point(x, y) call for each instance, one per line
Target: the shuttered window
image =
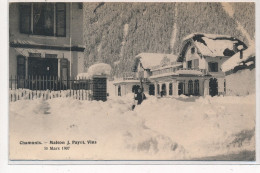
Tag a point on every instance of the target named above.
point(21, 66)
point(60, 19)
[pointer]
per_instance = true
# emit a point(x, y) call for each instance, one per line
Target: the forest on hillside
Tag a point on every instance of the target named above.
point(115, 33)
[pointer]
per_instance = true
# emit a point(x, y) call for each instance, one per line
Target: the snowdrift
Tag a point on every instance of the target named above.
point(180, 128)
point(96, 69)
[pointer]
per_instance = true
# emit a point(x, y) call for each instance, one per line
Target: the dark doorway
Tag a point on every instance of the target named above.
point(42, 72)
point(158, 89)
point(151, 89)
point(190, 87)
point(180, 88)
point(42, 67)
point(135, 88)
point(170, 89)
point(119, 90)
point(163, 92)
point(196, 88)
point(213, 87)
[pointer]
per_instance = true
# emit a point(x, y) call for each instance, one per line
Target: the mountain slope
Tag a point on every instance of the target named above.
point(115, 33)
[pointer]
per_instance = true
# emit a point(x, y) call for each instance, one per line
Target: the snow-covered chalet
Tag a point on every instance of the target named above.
point(195, 71)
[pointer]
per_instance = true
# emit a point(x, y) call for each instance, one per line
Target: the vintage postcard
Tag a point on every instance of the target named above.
point(132, 81)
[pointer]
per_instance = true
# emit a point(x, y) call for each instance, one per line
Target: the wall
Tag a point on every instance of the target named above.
point(241, 83)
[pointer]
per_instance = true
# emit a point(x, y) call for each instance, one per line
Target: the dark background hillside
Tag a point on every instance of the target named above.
point(115, 33)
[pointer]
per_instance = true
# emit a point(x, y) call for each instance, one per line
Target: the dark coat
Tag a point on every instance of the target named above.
point(140, 97)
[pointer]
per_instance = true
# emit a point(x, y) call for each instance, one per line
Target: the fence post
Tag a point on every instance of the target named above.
point(70, 85)
point(11, 83)
point(29, 81)
point(36, 79)
point(56, 86)
point(15, 83)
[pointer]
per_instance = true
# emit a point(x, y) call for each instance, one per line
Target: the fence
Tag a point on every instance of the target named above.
point(48, 87)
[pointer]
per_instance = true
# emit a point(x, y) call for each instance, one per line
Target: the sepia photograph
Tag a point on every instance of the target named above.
point(132, 81)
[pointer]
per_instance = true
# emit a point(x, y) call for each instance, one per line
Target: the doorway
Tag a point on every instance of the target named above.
point(42, 67)
point(163, 92)
point(151, 89)
point(180, 88)
point(213, 87)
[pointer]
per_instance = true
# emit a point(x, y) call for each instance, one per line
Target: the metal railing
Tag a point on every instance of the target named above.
point(48, 87)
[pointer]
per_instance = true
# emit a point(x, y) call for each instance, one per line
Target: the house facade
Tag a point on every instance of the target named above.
point(46, 39)
point(195, 71)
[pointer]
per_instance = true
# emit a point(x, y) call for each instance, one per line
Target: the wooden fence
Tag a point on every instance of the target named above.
point(48, 87)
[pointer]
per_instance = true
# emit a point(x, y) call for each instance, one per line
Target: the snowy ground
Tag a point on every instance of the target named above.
point(180, 128)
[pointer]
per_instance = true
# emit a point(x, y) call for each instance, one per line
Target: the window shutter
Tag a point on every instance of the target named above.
point(61, 19)
point(25, 18)
point(21, 66)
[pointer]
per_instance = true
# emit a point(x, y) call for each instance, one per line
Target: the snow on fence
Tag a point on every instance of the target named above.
point(48, 87)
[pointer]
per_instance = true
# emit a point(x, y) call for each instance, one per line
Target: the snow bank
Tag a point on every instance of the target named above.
point(178, 128)
point(83, 76)
point(99, 69)
point(96, 69)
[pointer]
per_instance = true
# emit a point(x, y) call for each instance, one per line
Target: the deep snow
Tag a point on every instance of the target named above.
point(180, 128)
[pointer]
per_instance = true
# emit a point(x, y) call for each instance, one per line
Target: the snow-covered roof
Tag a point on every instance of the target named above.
point(149, 60)
point(177, 64)
point(235, 60)
point(206, 35)
point(29, 41)
point(122, 81)
point(163, 75)
point(216, 45)
point(188, 72)
point(179, 72)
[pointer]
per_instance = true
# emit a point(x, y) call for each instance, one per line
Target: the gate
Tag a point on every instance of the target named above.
point(100, 88)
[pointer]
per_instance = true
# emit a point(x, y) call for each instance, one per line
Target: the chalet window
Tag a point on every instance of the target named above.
point(213, 66)
point(190, 87)
point(192, 50)
point(119, 91)
point(196, 63)
point(170, 89)
point(189, 64)
point(196, 87)
point(47, 19)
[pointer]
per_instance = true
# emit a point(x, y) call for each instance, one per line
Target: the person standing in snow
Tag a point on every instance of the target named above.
point(140, 96)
